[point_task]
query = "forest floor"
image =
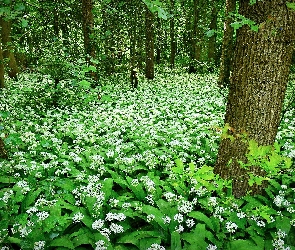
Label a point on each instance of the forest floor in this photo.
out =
(122, 168)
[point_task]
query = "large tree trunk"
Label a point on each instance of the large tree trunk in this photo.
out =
(149, 44)
(260, 72)
(227, 45)
(7, 47)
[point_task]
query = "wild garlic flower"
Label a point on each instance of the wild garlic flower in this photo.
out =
(6, 196)
(78, 217)
(231, 227)
(42, 215)
(156, 246)
(39, 245)
(112, 216)
(116, 228)
(166, 219)
(211, 247)
(190, 223)
(150, 217)
(100, 245)
(179, 229)
(178, 218)
(185, 207)
(98, 224)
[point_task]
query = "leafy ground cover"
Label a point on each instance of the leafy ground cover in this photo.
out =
(117, 168)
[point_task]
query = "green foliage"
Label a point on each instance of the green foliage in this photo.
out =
(133, 170)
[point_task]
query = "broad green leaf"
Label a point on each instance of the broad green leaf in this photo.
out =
(24, 23)
(291, 5)
(85, 84)
(63, 241)
(158, 214)
(175, 241)
(201, 217)
(243, 245)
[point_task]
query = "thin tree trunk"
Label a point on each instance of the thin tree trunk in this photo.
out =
(260, 72)
(194, 37)
(159, 41)
(212, 39)
(7, 47)
(3, 153)
(2, 85)
(227, 46)
(172, 35)
(149, 44)
(87, 6)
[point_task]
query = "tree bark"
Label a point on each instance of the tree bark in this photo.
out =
(149, 44)
(172, 35)
(261, 67)
(2, 85)
(3, 153)
(7, 47)
(87, 25)
(212, 39)
(194, 37)
(227, 46)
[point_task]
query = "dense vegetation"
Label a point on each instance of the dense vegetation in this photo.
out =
(132, 169)
(147, 124)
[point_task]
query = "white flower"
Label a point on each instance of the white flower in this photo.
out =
(241, 215)
(178, 217)
(97, 224)
(260, 223)
(166, 219)
(281, 234)
(185, 207)
(100, 245)
(39, 245)
(156, 246)
(150, 217)
(42, 215)
(212, 201)
(179, 229)
(231, 227)
(150, 199)
(211, 247)
(116, 228)
(112, 216)
(190, 222)
(78, 217)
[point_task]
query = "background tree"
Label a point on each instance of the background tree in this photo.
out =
(149, 44)
(261, 66)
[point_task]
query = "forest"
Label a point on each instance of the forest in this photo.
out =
(147, 124)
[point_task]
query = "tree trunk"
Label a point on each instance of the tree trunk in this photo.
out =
(7, 47)
(212, 39)
(3, 153)
(87, 6)
(260, 72)
(227, 46)
(1, 67)
(172, 35)
(194, 38)
(149, 44)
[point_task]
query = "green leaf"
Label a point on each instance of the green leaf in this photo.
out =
(243, 245)
(291, 5)
(201, 217)
(14, 240)
(7, 180)
(24, 23)
(158, 214)
(85, 84)
(31, 197)
(196, 238)
(63, 241)
(283, 223)
(175, 241)
(210, 33)
(134, 237)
